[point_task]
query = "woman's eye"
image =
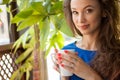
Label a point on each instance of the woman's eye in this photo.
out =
(89, 10)
(74, 12)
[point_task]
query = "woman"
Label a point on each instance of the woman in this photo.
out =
(97, 21)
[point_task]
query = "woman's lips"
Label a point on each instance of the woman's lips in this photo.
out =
(83, 27)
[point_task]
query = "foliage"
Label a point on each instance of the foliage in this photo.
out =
(4, 1)
(48, 16)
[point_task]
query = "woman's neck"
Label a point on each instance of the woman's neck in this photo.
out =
(87, 42)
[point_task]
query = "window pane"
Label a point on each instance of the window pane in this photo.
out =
(4, 34)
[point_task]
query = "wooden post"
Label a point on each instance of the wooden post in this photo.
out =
(13, 28)
(39, 66)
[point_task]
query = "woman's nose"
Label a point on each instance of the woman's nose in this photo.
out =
(81, 18)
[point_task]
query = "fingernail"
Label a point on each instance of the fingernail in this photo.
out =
(66, 51)
(62, 65)
(59, 58)
(59, 54)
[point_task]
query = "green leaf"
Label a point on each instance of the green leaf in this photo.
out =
(16, 19)
(17, 44)
(23, 40)
(17, 74)
(14, 75)
(27, 67)
(47, 5)
(25, 13)
(38, 6)
(27, 74)
(29, 22)
(60, 40)
(22, 15)
(57, 21)
(23, 4)
(56, 40)
(0, 10)
(48, 49)
(66, 29)
(28, 39)
(60, 24)
(23, 55)
(31, 43)
(29, 60)
(44, 33)
(5, 1)
(57, 7)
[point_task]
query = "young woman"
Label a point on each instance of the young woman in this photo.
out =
(98, 58)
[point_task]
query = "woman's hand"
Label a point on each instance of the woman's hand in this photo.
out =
(55, 60)
(56, 64)
(77, 66)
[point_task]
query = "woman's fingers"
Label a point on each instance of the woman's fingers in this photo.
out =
(54, 56)
(55, 60)
(71, 57)
(56, 67)
(67, 60)
(70, 61)
(56, 51)
(72, 54)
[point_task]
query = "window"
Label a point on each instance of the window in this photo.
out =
(4, 33)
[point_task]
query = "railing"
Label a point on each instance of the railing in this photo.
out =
(7, 61)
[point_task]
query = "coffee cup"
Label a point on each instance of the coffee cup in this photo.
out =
(63, 71)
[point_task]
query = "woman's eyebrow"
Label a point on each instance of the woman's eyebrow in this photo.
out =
(73, 8)
(89, 6)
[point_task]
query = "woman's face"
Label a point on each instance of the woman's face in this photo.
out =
(86, 15)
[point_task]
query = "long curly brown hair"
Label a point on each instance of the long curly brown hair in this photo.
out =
(107, 61)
